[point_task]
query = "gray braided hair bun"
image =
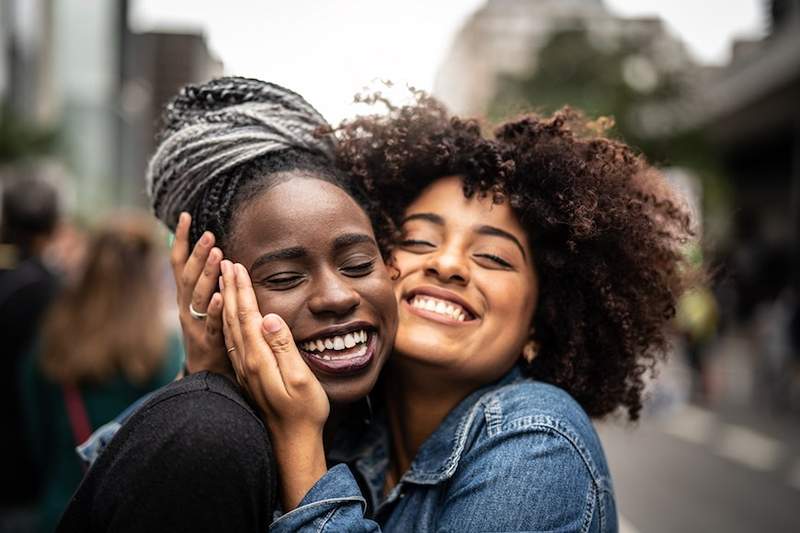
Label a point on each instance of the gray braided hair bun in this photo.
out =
(212, 132)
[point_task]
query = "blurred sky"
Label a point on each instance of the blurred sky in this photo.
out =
(327, 50)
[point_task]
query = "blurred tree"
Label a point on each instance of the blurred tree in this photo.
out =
(621, 75)
(21, 140)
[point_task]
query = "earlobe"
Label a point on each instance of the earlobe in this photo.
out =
(391, 267)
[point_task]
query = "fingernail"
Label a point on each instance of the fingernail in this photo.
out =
(206, 238)
(182, 218)
(272, 323)
(221, 284)
(224, 266)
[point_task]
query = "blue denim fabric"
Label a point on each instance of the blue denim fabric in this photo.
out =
(518, 455)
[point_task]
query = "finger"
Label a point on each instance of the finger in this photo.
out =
(214, 320)
(194, 267)
(180, 246)
(230, 307)
(294, 370)
(248, 376)
(207, 282)
(258, 356)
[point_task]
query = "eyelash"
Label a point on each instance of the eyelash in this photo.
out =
(362, 269)
(283, 281)
(499, 260)
(412, 242)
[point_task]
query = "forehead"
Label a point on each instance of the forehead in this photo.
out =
(445, 197)
(301, 211)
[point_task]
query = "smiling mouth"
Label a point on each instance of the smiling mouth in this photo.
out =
(446, 309)
(340, 354)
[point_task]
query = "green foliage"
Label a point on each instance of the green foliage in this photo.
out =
(576, 69)
(20, 140)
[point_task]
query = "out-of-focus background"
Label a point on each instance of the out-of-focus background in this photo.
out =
(710, 91)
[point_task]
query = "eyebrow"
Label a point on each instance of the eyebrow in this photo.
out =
(284, 254)
(349, 239)
(497, 232)
(482, 230)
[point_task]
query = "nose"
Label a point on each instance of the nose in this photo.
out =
(333, 296)
(448, 265)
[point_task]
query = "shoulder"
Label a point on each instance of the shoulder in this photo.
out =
(541, 415)
(204, 412)
(195, 451)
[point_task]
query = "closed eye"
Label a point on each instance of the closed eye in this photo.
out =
(496, 260)
(416, 244)
(360, 269)
(282, 281)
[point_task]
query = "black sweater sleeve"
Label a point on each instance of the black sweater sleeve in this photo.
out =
(195, 461)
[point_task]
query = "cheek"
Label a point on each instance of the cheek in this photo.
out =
(287, 305)
(378, 290)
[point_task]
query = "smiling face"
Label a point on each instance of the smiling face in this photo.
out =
(311, 253)
(467, 288)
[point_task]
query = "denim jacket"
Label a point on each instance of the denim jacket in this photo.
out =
(518, 455)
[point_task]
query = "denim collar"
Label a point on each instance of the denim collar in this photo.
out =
(438, 456)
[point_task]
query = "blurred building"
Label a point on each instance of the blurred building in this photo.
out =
(751, 113)
(77, 67)
(504, 36)
(156, 66)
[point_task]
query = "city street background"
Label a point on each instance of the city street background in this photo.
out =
(708, 91)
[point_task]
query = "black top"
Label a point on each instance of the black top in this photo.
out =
(195, 457)
(25, 295)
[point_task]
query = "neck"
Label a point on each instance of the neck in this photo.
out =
(417, 403)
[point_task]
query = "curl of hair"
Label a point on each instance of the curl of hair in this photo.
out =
(605, 229)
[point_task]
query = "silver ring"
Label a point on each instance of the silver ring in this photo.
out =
(196, 314)
(232, 348)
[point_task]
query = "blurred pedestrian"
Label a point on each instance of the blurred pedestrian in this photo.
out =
(103, 344)
(30, 214)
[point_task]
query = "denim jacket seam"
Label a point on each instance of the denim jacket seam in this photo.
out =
(327, 520)
(328, 501)
(604, 490)
(591, 502)
(533, 422)
(493, 412)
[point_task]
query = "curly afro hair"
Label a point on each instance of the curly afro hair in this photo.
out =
(605, 229)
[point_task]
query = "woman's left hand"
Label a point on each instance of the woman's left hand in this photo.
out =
(289, 396)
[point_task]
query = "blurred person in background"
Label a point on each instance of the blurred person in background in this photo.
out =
(104, 343)
(30, 214)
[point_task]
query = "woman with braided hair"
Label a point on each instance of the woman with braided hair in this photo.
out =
(243, 164)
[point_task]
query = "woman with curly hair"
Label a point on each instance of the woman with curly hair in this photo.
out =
(537, 271)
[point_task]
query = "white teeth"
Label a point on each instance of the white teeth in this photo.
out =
(337, 342)
(449, 309)
(349, 341)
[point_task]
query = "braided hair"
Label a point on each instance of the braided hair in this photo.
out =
(224, 141)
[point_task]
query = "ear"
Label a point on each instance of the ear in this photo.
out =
(391, 267)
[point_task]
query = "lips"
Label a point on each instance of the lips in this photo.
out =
(440, 305)
(340, 350)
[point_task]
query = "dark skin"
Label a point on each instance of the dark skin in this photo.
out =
(313, 260)
(315, 264)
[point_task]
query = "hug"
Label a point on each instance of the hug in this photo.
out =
(399, 324)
